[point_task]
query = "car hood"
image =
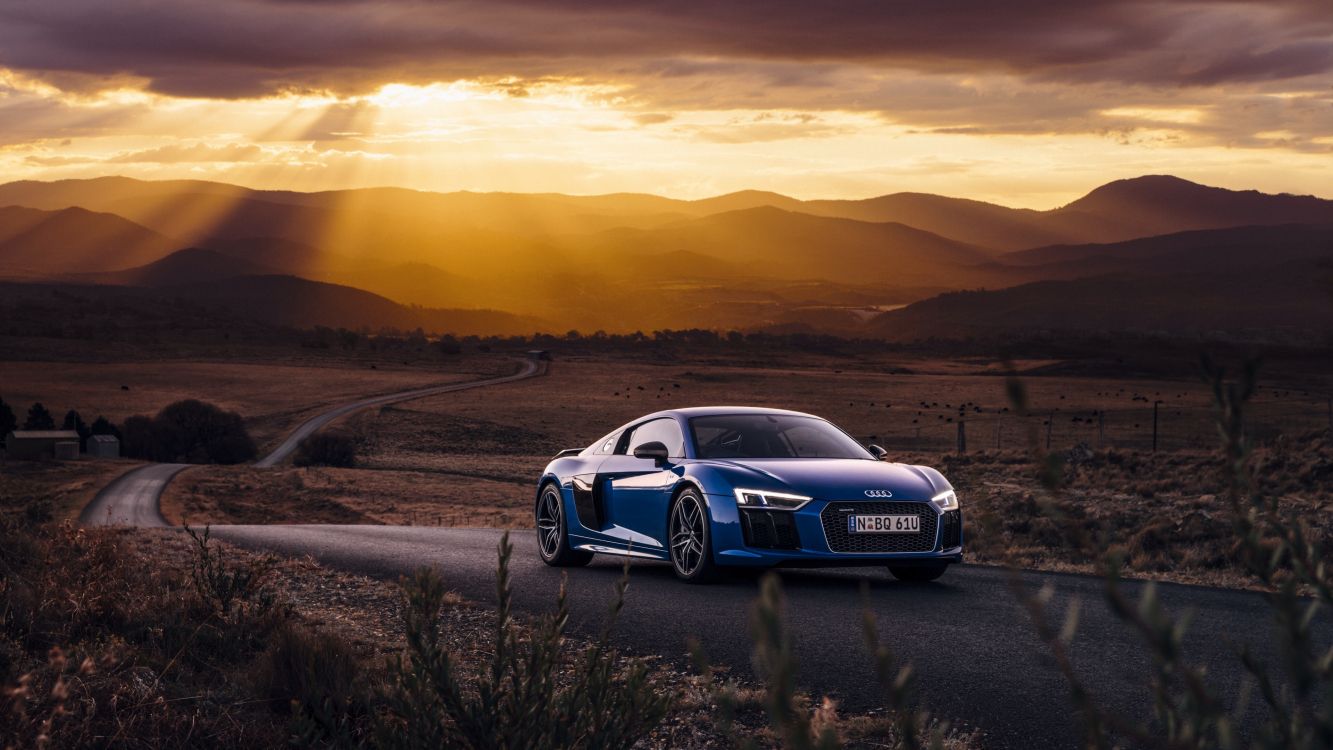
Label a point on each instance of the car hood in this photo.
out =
(833, 479)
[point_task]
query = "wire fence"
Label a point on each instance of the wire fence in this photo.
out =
(1148, 426)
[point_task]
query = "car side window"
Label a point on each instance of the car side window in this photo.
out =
(607, 445)
(664, 431)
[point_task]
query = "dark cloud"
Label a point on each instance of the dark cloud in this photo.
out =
(251, 47)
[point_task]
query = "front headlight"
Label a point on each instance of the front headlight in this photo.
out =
(770, 500)
(947, 500)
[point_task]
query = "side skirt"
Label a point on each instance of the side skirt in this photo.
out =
(602, 549)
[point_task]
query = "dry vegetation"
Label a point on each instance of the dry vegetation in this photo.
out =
(47, 490)
(151, 639)
(469, 459)
(273, 397)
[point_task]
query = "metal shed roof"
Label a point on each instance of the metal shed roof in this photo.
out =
(45, 435)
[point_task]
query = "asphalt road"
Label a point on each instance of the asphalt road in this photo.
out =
(314, 424)
(132, 499)
(972, 646)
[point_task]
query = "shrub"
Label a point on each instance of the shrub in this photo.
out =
(327, 449)
(317, 677)
(224, 587)
(75, 422)
(39, 418)
(1284, 557)
(199, 432)
(103, 426)
(8, 422)
(792, 721)
(523, 700)
(101, 648)
(191, 431)
(137, 437)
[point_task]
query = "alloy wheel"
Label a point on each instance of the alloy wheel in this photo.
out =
(548, 523)
(687, 535)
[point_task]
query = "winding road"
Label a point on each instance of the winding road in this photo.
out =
(132, 499)
(972, 645)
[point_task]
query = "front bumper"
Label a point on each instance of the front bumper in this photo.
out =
(816, 535)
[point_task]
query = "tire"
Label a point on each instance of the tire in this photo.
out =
(690, 539)
(918, 573)
(553, 531)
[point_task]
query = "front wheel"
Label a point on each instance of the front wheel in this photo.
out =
(691, 539)
(918, 573)
(553, 533)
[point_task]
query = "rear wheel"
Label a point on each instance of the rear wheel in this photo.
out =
(552, 531)
(918, 573)
(691, 539)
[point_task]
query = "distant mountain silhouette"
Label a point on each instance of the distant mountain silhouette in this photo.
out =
(290, 301)
(1160, 204)
(38, 242)
(767, 242)
(412, 225)
(1212, 250)
(189, 266)
(1290, 300)
(622, 262)
(975, 222)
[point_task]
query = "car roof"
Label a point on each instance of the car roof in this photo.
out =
(716, 411)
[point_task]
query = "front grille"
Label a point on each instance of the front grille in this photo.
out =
(769, 529)
(834, 518)
(951, 534)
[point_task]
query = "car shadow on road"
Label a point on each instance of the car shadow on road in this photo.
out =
(846, 580)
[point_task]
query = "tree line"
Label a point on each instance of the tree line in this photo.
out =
(189, 431)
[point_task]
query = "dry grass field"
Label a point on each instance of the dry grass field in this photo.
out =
(56, 489)
(272, 396)
(470, 458)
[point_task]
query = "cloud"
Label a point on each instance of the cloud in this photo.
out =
(197, 152)
(653, 118)
(251, 47)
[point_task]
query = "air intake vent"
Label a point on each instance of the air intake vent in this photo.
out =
(769, 529)
(951, 532)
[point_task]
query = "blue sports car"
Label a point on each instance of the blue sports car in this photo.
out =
(735, 486)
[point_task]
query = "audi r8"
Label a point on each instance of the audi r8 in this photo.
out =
(713, 487)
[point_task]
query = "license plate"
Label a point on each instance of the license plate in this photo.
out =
(884, 524)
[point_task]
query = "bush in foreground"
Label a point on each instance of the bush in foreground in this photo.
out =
(531, 696)
(100, 647)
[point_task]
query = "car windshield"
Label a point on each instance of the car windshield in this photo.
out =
(771, 436)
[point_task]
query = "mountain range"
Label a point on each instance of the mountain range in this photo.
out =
(749, 260)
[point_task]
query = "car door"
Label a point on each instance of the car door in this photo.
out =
(637, 491)
(589, 520)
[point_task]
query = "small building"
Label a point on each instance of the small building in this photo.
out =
(103, 446)
(66, 450)
(30, 445)
(541, 355)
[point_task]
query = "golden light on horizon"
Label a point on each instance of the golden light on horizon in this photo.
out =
(578, 137)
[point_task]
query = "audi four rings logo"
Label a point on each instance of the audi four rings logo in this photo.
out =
(878, 493)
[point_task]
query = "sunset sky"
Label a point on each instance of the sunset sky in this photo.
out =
(1019, 102)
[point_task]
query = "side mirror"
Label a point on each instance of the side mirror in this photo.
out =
(655, 450)
(879, 452)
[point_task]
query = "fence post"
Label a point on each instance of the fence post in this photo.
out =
(1050, 422)
(1154, 425)
(962, 437)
